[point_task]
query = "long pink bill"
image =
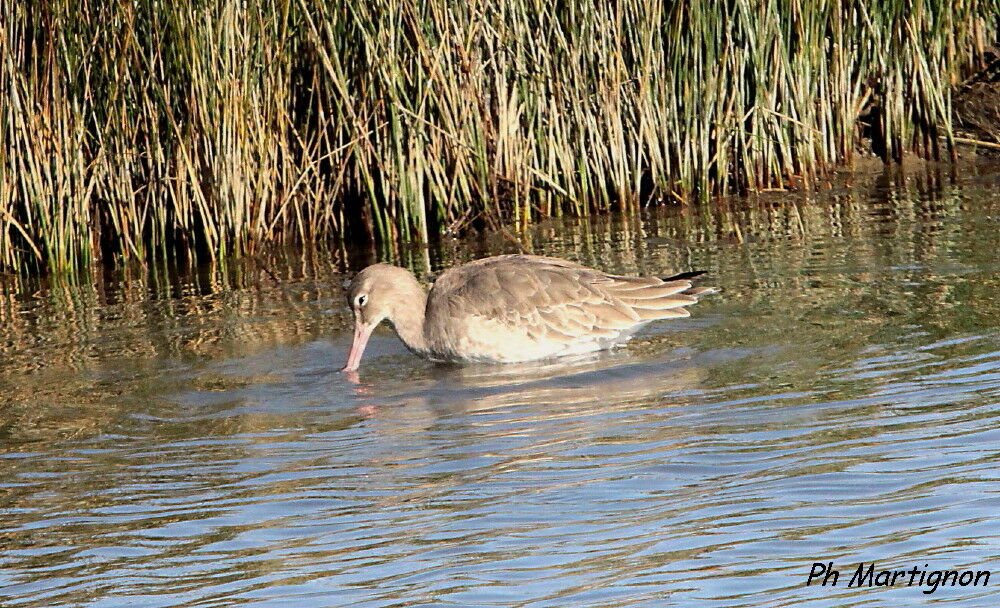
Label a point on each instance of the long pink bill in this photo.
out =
(361, 335)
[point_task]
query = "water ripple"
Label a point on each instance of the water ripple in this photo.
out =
(805, 415)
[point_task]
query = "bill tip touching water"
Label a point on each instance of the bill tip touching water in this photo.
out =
(512, 308)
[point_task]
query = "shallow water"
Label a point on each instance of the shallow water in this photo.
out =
(188, 441)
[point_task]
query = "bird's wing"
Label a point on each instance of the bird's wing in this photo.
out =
(554, 299)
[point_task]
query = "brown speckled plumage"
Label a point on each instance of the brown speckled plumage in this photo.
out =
(512, 308)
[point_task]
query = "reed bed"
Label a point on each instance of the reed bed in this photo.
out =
(136, 129)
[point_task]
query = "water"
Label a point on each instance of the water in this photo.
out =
(188, 441)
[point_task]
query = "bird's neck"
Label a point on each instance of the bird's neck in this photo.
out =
(408, 317)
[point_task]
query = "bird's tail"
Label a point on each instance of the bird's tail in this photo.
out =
(685, 275)
(692, 291)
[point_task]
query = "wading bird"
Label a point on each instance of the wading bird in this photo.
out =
(512, 308)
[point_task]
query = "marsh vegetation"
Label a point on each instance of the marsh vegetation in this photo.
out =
(138, 129)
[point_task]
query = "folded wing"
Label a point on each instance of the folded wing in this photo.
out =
(547, 306)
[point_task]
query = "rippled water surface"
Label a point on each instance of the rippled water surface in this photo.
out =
(186, 439)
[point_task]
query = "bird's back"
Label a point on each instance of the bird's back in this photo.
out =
(523, 307)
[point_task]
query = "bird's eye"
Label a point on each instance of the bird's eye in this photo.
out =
(361, 300)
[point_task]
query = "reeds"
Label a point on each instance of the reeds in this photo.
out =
(139, 128)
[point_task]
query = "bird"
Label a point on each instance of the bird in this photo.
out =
(512, 308)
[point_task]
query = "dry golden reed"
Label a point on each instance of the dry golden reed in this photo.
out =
(139, 128)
